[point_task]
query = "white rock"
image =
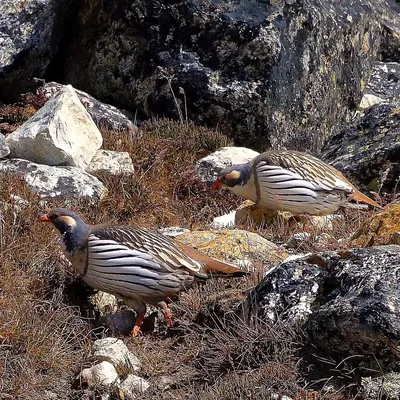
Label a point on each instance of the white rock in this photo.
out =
(103, 374)
(62, 183)
(224, 221)
(103, 114)
(368, 100)
(173, 231)
(111, 162)
(132, 386)
(60, 133)
(4, 149)
(208, 167)
(116, 352)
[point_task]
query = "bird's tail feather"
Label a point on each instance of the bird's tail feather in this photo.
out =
(213, 267)
(358, 196)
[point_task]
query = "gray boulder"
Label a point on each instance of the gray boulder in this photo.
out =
(60, 133)
(61, 183)
(103, 115)
(368, 151)
(348, 303)
(30, 35)
(266, 73)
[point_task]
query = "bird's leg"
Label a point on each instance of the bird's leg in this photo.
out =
(167, 313)
(140, 313)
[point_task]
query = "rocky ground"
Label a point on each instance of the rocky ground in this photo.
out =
(271, 334)
(318, 318)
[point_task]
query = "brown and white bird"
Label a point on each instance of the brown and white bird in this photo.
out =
(293, 181)
(138, 265)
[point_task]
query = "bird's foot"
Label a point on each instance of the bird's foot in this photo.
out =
(167, 314)
(136, 331)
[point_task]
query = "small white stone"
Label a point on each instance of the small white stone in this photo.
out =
(224, 221)
(116, 351)
(368, 100)
(4, 149)
(103, 374)
(173, 231)
(111, 162)
(132, 386)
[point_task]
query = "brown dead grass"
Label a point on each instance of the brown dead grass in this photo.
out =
(209, 354)
(43, 339)
(13, 115)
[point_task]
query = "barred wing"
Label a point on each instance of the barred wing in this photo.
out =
(292, 171)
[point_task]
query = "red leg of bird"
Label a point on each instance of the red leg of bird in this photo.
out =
(139, 322)
(167, 313)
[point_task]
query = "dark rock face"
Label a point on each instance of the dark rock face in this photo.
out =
(368, 152)
(30, 34)
(268, 73)
(385, 82)
(389, 12)
(348, 303)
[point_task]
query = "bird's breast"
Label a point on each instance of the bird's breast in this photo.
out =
(247, 191)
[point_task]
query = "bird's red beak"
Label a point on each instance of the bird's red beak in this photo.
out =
(216, 185)
(44, 218)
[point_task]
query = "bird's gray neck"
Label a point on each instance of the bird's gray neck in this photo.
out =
(245, 170)
(74, 244)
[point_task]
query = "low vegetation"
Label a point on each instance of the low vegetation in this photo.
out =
(211, 353)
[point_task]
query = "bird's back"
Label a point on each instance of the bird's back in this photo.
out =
(298, 182)
(134, 262)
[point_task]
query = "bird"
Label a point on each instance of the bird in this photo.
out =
(139, 265)
(289, 180)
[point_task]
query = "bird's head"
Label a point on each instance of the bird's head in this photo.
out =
(235, 175)
(71, 227)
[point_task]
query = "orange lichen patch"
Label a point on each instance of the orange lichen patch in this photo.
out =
(380, 229)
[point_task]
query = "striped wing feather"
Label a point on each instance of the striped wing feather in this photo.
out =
(151, 244)
(294, 169)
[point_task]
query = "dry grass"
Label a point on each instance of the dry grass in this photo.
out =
(43, 339)
(210, 353)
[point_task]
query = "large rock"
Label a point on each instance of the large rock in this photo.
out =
(348, 303)
(368, 151)
(30, 34)
(103, 115)
(235, 246)
(116, 352)
(208, 167)
(62, 183)
(266, 73)
(4, 149)
(60, 133)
